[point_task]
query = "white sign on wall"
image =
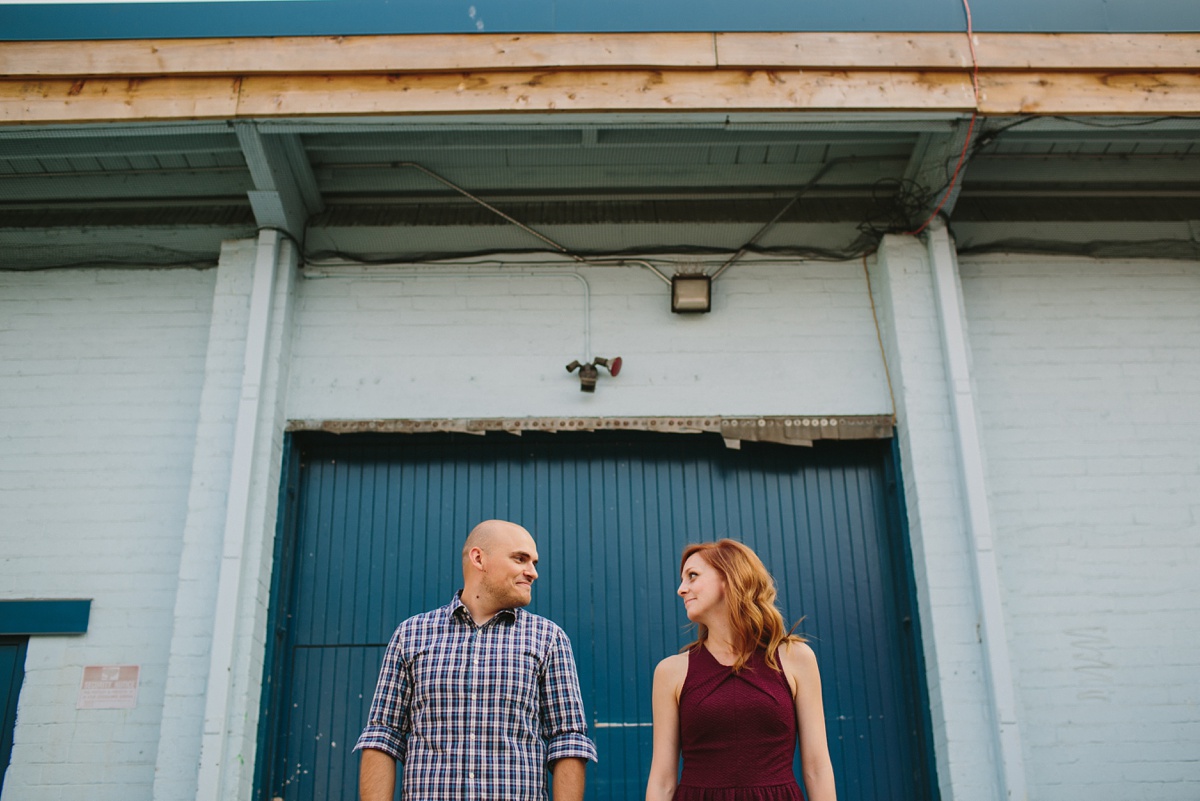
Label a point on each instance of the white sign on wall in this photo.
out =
(108, 687)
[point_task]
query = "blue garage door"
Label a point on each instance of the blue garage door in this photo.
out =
(372, 527)
(12, 674)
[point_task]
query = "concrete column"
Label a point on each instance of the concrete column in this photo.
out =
(1006, 733)
(902, 282)
(212, 683)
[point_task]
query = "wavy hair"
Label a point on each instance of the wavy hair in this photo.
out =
(750, 594)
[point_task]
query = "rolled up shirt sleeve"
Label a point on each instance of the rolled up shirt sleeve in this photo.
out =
(564, 723)
(390, 718)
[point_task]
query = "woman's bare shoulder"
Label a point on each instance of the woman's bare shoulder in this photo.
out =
(798, 659)
(798, 652)
(669, 676)
(673, 667)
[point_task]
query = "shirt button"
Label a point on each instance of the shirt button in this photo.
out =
(470, 775)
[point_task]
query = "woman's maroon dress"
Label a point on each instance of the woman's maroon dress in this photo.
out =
(737, 732)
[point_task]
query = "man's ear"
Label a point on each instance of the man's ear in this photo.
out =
(475, 557)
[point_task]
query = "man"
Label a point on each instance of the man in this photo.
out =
(479, 697)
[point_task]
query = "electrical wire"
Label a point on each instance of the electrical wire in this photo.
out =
(962, 156)
(753, 241)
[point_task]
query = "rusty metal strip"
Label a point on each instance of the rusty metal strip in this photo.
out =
(798, 430)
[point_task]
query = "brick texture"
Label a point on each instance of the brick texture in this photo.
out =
(1087, 382)
(781, 339)
(99, 391)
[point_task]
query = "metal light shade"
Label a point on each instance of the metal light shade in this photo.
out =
(691, 294)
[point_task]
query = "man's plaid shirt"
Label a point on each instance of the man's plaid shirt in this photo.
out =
(477, 712)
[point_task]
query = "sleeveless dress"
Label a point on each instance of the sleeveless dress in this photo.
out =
(737, 732)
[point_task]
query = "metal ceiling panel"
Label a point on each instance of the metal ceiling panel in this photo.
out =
(586, 174)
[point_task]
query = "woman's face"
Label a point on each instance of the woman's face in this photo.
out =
(702, 589)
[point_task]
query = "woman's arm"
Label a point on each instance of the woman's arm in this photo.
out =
(664, 764)
(800, 663)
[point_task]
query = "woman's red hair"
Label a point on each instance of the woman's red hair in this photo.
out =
(750, 594)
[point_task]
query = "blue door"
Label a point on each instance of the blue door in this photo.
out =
(12, 674)
(372, 527)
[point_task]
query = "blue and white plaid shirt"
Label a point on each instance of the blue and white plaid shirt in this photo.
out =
(477, 712)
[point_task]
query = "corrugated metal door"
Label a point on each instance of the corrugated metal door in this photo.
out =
(12, 675)
(372, 535)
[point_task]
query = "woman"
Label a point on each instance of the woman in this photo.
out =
(736, 699)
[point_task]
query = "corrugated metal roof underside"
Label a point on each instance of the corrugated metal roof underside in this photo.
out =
(595, 184)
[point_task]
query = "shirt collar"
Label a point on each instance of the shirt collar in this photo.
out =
(458, 609)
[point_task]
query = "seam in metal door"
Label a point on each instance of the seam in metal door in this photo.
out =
(376, 524)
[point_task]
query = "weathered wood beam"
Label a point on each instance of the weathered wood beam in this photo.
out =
(602, 90)
(1143, 93)
(49, 82)
(263, 96)
(115, 100)
(889, 51)
(355, 54)
(1104, 52)
(1147, 52)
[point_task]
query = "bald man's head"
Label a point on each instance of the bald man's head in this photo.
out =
(486, 533)
(499, 561)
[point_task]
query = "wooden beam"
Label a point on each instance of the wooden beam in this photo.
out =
(921, 51)
(487, 92)
(118, 100)
(1161, 93)
(501, 92)
(640, 90)
(1145, 52)
(1106, 52)
(355, 54)
(598, 90)
(481, 52)
(1001, 93)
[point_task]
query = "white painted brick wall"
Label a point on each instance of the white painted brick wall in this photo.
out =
(99, 386)
(781, 339)
(1087, 380)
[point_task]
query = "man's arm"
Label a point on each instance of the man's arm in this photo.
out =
(377, 776)
(384, 741)
(570, 775)
(563, 722)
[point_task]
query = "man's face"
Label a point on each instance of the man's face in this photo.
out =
(510, 568)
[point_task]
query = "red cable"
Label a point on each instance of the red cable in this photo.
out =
(970, 126)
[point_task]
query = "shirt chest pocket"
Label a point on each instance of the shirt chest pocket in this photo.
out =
(511, 678)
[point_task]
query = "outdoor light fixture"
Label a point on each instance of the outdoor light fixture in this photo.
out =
(588, 372)
(691, 293)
